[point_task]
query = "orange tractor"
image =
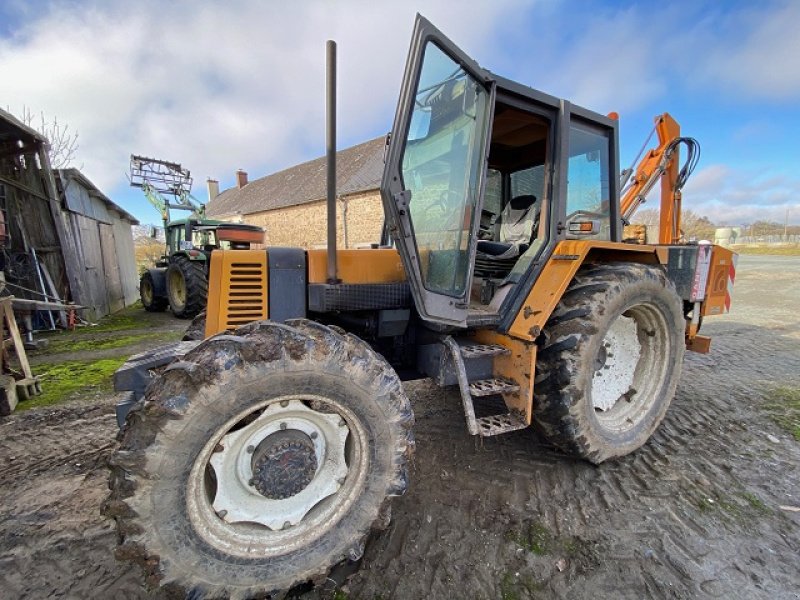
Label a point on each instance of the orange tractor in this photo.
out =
(264, 455)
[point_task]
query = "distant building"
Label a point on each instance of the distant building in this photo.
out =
(291, 206)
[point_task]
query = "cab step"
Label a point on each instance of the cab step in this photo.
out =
(489, 387)
(494, 424)
(497, 424)
(473, 350)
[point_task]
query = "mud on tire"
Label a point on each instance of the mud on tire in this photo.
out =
(588, 401)
(174, 533)
(187, 287)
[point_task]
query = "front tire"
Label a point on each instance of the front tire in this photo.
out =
(187, 287)
(610, 361)
(210, 486)
(147, 292)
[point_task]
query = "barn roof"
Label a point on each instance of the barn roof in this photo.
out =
(358, 169)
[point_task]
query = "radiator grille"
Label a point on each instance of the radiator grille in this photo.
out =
(246, 293)
(238, 289)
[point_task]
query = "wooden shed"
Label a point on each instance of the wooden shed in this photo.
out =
(63, 237)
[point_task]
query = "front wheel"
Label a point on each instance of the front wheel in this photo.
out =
(147, 292)
(610, 360)
(260, 461)
(187, 286)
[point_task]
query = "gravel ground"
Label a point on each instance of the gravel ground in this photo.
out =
(699, 512)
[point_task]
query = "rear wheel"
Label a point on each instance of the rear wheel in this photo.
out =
(260, 461)
(147, 293)
(610, 361)
(187, 286)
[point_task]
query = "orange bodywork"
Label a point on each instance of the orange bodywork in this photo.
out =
(721, 276)
(373, 265)
(238, 289)
(519, 366)
(557, 274)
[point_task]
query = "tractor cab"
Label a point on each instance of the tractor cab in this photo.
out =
(483, 177)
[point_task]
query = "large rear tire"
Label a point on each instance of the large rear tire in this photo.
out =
(147, 293)
(187, 286)
(610, 361)
(260, 461)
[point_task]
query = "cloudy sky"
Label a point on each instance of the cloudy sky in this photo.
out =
(240, 84)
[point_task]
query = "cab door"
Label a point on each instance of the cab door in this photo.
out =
(433, 179)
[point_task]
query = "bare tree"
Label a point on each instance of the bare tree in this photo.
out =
(63, 141)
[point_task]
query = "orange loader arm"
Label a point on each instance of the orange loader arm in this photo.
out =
(661, 163)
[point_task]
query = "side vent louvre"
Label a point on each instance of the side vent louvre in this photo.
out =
(238, 289)
(247, 295)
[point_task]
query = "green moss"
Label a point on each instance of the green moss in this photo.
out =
(72, 379)
(533, 537)
(508, 588)
(72, 344)
(754, 502)
(339, 595)
(133, 317)
(783, 407)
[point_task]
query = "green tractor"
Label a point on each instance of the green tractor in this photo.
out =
(180, 278)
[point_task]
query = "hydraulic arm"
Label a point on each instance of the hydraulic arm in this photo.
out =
(661, 163)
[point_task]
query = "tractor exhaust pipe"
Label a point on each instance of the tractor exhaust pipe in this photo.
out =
(330, 110)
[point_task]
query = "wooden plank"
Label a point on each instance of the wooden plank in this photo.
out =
(22, 187)
(69, 250)
(11, 323)
(62, 314)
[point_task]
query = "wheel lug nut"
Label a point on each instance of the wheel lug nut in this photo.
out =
(342, 423)
(283, 425)
(286, 525)
(251, 449)
(222, 514)
(219, 448)
(340, 481)
(284, 403)
(313, 435)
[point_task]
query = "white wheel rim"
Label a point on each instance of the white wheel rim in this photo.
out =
(240, 521)
(636, 350)
(615, 376)
(238, 500)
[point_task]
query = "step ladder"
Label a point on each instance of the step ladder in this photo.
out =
(494, 424)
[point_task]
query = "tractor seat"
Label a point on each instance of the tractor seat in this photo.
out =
(517, 221)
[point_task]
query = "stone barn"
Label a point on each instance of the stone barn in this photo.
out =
(290, 204)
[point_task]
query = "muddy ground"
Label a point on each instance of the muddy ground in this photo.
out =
(702, 511)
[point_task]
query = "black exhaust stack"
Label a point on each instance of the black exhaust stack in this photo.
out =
(331, 158)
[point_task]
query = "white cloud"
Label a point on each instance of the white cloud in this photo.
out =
(761, 58)
(219, 87)
(729, 196)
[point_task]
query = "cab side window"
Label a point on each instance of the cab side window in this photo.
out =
(588, 172)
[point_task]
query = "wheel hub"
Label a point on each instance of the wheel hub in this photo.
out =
(615, 364)
(277, 468)
(284, 465)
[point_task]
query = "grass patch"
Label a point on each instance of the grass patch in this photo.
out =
(69, 380)
(788, 250)
(783, 407)
(118, 341)
(133, 317)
